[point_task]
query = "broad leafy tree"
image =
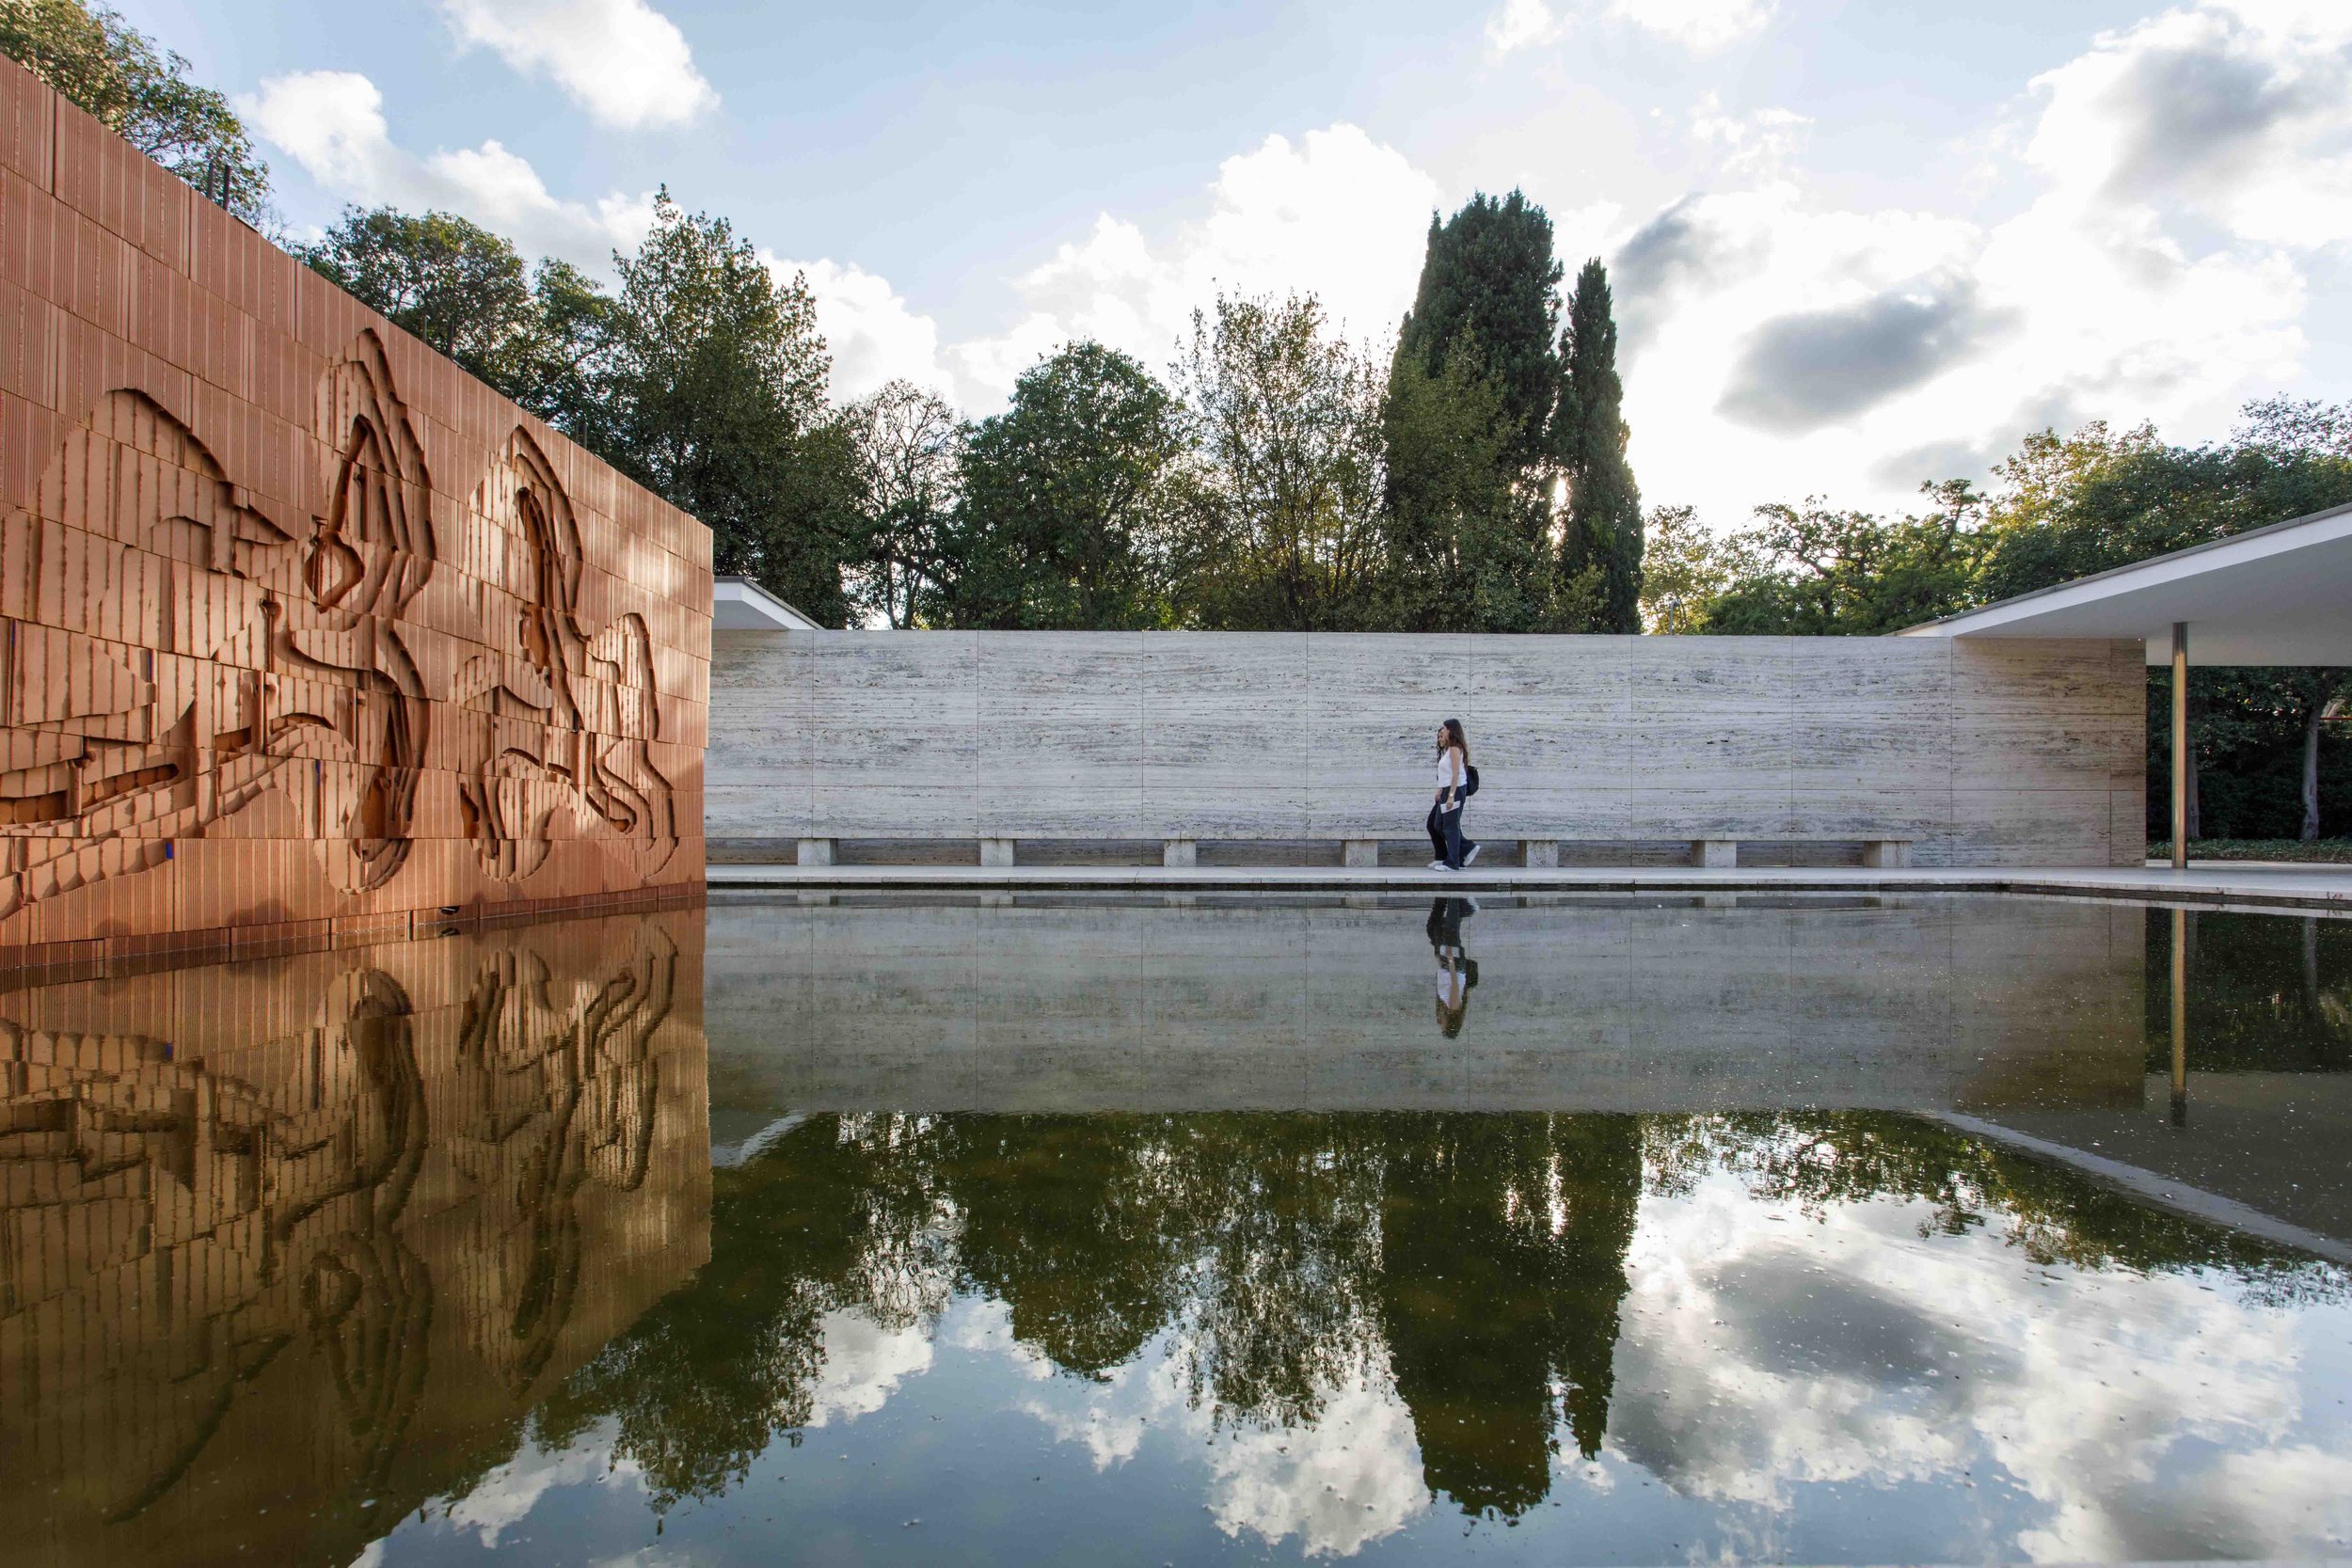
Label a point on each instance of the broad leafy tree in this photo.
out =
(1066, 507)
(456, 285)
(1287, 530)
(714, 398)
(141, 92)
(909, 446)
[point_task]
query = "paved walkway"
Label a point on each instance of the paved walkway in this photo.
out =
(2217, 882)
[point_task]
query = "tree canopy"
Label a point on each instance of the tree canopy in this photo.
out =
(141, 92)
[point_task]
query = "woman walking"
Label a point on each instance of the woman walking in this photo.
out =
(1453, 787)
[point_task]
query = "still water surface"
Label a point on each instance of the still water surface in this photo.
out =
(1571, 1231)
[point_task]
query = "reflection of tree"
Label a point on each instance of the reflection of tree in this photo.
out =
(838, 1213)
(1273, 1258)
(1504, 1265)
(2266, 994)
(1274, 1252)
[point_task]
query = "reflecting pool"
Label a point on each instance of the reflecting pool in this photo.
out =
(1569, 1230)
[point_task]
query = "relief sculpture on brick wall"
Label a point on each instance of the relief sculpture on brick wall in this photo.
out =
(350, 698)
(135, 637)
(558, 725)
(173, 652)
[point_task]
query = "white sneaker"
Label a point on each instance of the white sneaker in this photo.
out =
(1473, 854)
(1437, 865)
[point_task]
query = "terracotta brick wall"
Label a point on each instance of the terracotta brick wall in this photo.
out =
(303, 632)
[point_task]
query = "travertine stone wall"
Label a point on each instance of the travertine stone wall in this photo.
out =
(1988, 753)
(287, 1247)
(302, 629)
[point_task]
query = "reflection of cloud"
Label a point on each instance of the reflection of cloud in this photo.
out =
(1350, 1478)
(507, 1495)
(864, 1365)
(2134, 1417)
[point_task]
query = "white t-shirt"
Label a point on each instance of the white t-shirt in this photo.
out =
(1450, 769)
(1449, 987)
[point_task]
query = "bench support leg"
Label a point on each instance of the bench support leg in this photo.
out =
(816, 852)
(1362, 853)
(1715, 851)
(1885, 854)
(1179, 851)
(1540, 851)
(995, 851)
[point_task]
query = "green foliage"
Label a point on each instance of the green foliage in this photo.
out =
(1284, 530)
(1813, 572)
(1687, 570)
(2097, 501)
(910, 447)
(1068, 501)
(1489, 292)
(1465, 548)
(714, 398)
(139, 91)
(1600, 548)
(456, 285)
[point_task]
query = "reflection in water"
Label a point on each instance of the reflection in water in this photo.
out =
(1782, 1230)
(1457, 972)
(293, 1239)
(1530, 1293)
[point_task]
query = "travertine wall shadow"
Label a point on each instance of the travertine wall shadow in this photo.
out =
(303, 630)
(289, 1247)
(1986, 753)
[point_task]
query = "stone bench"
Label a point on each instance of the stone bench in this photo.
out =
(1880, 851)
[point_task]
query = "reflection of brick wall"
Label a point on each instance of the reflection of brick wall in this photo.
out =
(302, 629)
(293, 1234)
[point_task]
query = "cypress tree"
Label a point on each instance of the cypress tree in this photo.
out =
(1489, 286)
(1600, 549)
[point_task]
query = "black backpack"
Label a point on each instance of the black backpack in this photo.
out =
(1469, 789)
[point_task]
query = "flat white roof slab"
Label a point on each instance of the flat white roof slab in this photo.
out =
(2280, 594)
(739, 604)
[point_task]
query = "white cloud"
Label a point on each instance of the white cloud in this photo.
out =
(1334, 213)
(875, 335)
(2188, 170)
(622, 61)
(1758, 143)
(331, 124)
(1696, 25)
(2240, 114)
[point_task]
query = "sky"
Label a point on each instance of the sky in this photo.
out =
(1856, 245)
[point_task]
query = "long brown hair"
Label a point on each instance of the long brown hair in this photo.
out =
(1452, 729)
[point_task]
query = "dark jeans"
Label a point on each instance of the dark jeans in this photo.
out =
(1445, 835)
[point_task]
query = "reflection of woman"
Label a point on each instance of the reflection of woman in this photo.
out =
(1457, 972)
(1454, 784)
